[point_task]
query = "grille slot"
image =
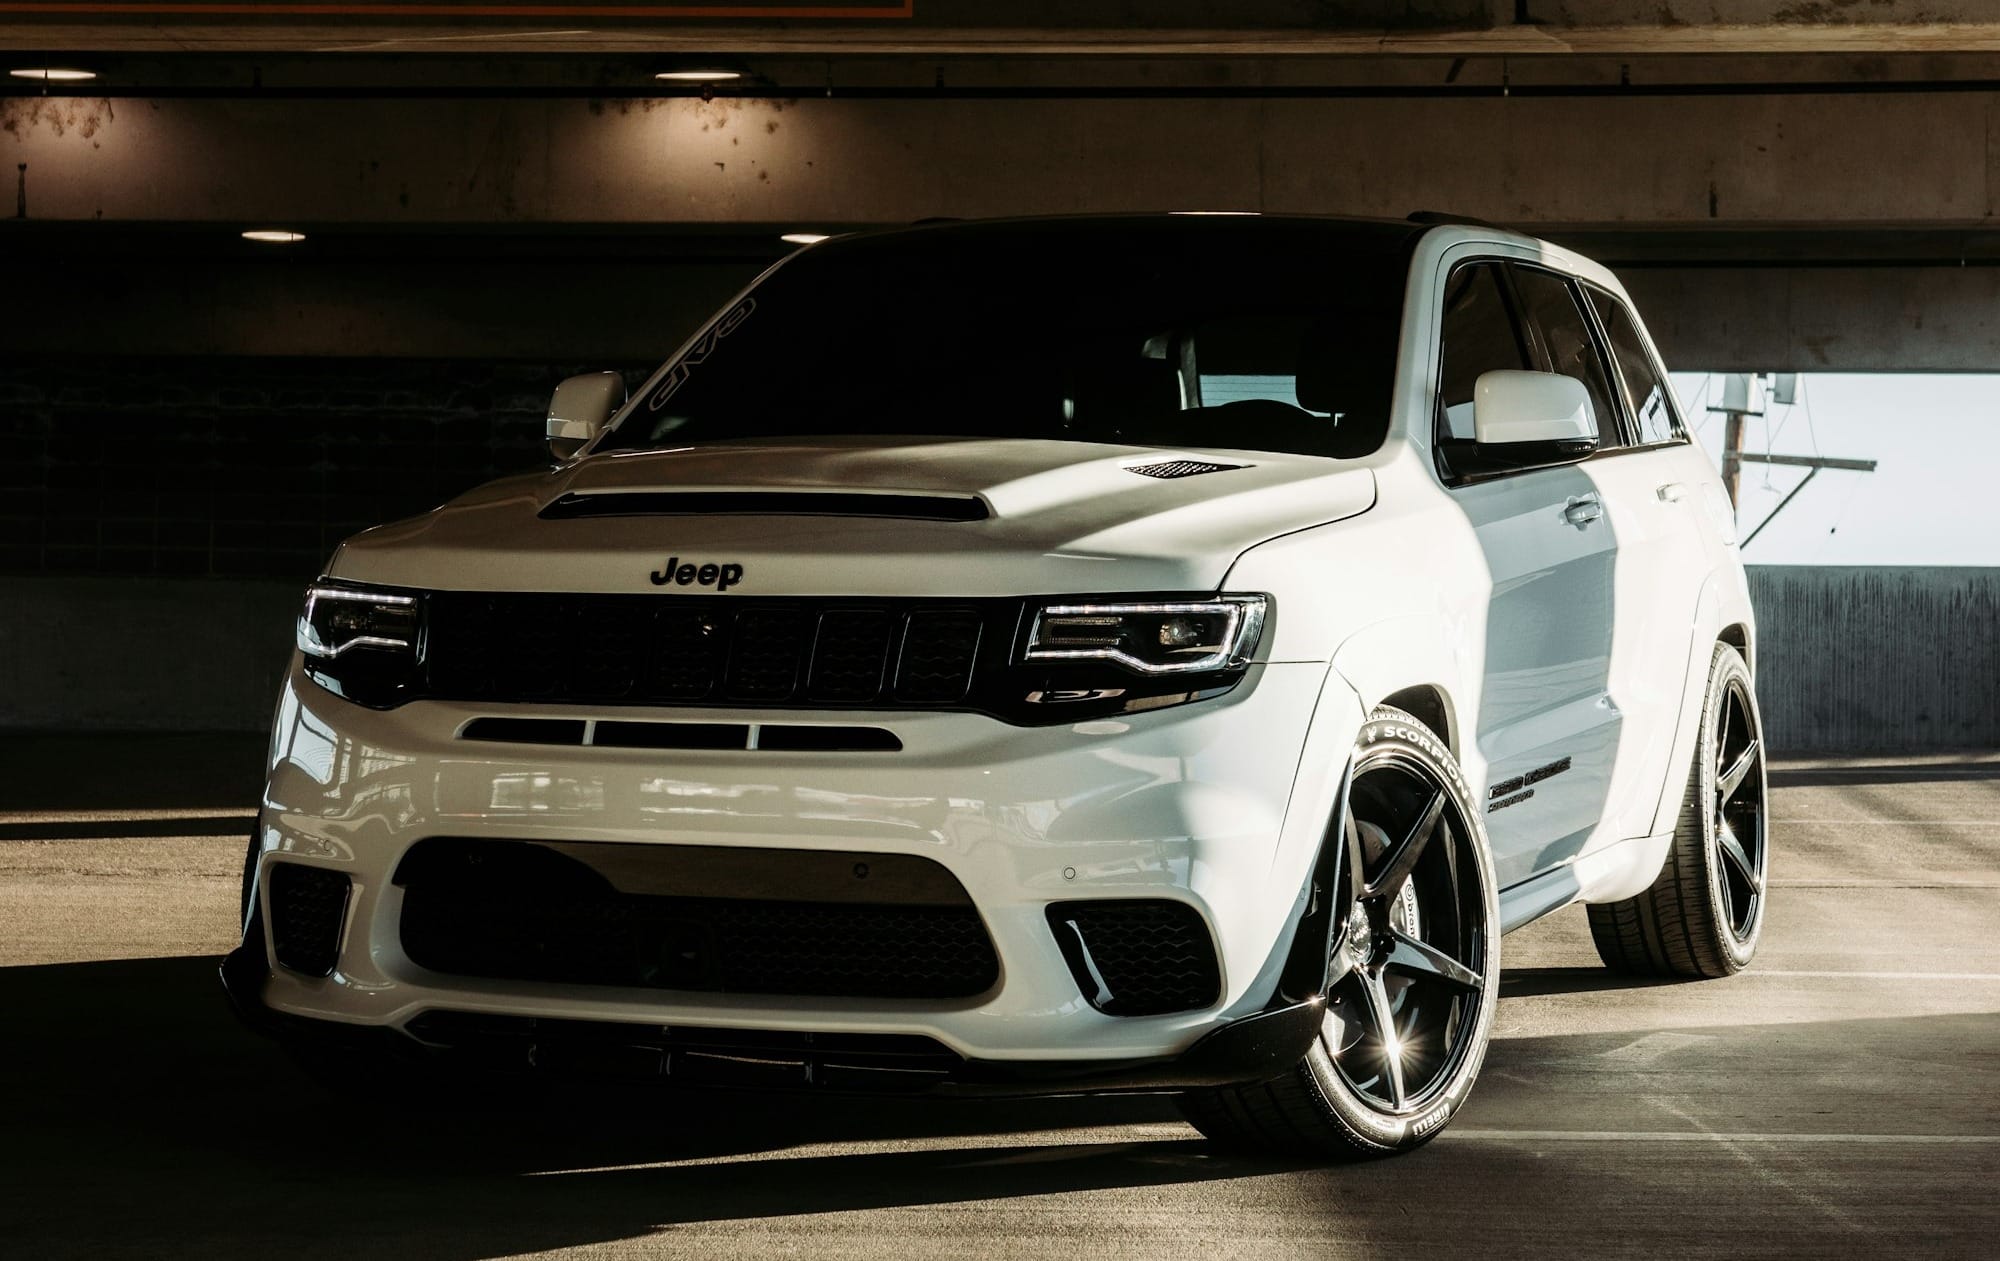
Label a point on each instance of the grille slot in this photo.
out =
(819, 924)
(1141, 957)
(308, 908)
(714, 650)
(611, 734)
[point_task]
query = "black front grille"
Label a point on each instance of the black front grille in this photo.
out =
(1141, 957)
(694, 650)
(808, 924)
(308, 907)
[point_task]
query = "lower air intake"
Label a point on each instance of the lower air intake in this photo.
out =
(1143, 957)
(696, 918)
(308, 907)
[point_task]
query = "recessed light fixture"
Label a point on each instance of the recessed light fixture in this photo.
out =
(54, 74)
(714, 74)
(803, 238)
(274, 236)
(1214, 212)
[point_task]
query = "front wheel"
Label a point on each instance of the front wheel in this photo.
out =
(1415, 967)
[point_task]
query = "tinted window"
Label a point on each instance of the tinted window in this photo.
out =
(1552, 311)
(1478, 335)
(1651, 404)
(1261, 334)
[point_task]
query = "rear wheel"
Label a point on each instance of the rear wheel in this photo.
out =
(1415, 967)
(1705, 911)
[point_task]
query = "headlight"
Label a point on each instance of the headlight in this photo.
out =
(1085, 657)
(1163, 637)
(363, 643)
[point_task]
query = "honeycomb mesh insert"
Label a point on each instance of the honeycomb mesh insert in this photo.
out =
(308, 906)
(1138, 958)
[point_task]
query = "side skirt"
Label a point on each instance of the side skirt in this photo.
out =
(1524, 903)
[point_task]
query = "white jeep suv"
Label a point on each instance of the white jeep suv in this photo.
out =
(1052, 656)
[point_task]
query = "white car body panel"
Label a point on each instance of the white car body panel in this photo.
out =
(1545, 640)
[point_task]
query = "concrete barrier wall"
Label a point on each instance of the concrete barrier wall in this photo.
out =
(143, 654)
(1857, 658)
(1850, 659)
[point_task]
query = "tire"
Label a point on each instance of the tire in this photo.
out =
(1418, 951)
(1704, 913)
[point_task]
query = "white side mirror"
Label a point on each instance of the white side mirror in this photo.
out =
(580, 409)
(1512, 407)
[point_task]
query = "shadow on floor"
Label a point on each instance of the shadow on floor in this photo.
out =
(1532, 982)
(141, 1121)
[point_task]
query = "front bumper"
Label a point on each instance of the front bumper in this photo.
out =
(1193, 803)
(1250, 1049)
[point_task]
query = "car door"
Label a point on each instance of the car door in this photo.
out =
(1544, 725)
(1651, 486)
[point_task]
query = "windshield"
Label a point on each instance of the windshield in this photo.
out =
(1259, 334)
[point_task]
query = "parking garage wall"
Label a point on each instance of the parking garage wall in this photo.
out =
(1862, 657)
(250, 467)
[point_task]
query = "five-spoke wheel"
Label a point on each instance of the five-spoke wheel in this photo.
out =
(1414, 969)
(1704, 913)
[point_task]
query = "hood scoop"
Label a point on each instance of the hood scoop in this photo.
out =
(1168, 469)
(764, 503)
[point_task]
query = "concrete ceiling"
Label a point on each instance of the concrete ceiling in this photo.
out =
(1040, 27)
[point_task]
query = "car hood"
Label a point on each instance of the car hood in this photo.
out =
(1051, 517)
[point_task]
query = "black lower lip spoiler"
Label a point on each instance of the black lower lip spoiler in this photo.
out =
(1249, 1049)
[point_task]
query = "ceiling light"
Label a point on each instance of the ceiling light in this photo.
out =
(274, 236)
(803, 238)
(54, 74)
(1213, 212)
(712, 75)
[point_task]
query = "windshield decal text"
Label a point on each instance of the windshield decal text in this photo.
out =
(683, 368)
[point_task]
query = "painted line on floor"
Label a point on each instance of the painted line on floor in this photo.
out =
(1884, 884)
(1874, 976)
(246, 814)
(1698, 1136)
(1969, 823)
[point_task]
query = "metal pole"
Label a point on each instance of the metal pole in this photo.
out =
(1732, 454)
(1810, 474)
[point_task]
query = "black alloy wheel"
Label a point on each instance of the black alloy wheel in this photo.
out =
(1414, 974)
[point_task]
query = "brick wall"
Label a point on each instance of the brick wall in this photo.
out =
(245, 467)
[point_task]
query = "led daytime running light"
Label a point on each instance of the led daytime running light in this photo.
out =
(1243, 625)
(309, 640)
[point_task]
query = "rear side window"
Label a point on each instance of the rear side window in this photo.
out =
(1645, 390)
(1478, 335)
(1553, 313)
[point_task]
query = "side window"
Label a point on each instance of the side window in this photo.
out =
(1652, 405)
(1554, 315)
(1478, 335)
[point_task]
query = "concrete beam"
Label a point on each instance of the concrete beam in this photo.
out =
(1864, 319)
(510, 301)
(1059, 27)
(1794, 159)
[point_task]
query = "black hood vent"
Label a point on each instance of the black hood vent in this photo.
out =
(1167, 469)
(765, 503)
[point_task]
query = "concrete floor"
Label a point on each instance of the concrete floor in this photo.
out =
(1842, 1097)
